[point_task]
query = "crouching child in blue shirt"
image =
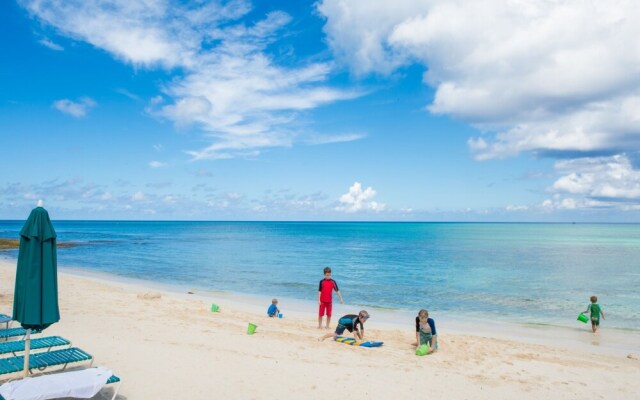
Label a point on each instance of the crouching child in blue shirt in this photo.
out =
(273, 308)
(350, 322)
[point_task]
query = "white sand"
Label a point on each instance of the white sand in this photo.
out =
(173, 347)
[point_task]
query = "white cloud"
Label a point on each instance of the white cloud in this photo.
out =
(546, 76)
(234, 196)
(359, 31)
(159, 185)
(155, 100)
(611, 178)
(357, 199)
(90, 193)
(245, 102)
(260, 208)
(76, 109)
(169, 199)
(570, 203)
(203, 173)
(157, 164)
(229, 86)
(138, 196)
(328, 139)
(512, 207)
(127, 93)
(285, 201)
(73, 192)
(48, 43)
(139, 32)
(554, 78)
(611, 183)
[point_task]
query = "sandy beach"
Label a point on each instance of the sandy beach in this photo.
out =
(168, 345)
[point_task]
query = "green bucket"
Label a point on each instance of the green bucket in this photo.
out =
(251, 329)
(583, 318)
(215, 308)
(422, 350)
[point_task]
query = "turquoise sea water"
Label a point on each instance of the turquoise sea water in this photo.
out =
(541, 273)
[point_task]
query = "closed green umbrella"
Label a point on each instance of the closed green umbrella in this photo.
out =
(35, 301)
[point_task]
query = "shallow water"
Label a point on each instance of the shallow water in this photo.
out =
(523, 273)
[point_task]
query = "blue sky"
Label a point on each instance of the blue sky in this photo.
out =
(329, 110)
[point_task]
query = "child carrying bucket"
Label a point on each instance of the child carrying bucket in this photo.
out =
(426, 334)
(596, 311)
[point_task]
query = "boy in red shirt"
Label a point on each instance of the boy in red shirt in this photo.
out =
(325, 297)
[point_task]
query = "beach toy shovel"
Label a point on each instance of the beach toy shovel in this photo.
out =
(251, 329)
(422, 350)
(583, 318)
(215, 308)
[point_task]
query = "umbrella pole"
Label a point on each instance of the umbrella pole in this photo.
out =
(27, 348)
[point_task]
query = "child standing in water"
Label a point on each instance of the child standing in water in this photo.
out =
(596, 311)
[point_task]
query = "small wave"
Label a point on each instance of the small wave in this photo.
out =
(297, 285)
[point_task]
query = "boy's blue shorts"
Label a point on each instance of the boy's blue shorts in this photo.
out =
(340, 329)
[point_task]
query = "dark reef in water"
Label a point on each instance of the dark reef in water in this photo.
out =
(8, 244)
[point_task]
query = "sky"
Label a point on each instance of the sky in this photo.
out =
(330, 110)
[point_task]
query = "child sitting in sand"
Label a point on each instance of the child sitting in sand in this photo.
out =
(350, 322)
(426, 331)
(595, 310)
(273, 308)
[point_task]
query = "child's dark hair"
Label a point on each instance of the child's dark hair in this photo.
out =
(274, 301)
(327, 270)
(594, 299)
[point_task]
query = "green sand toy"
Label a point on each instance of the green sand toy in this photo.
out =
(215, 308)
(251, 329)
(422, 350)
(583, 318)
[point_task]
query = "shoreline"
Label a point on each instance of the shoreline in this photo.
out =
(612, 341)
(609, 341)
(170, 345)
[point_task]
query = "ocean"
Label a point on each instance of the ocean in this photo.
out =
(512, 272)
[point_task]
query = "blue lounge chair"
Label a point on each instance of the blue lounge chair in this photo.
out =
(14, 332)
(113, 379)
(48, 342)
(41, 361)
(5, 319)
